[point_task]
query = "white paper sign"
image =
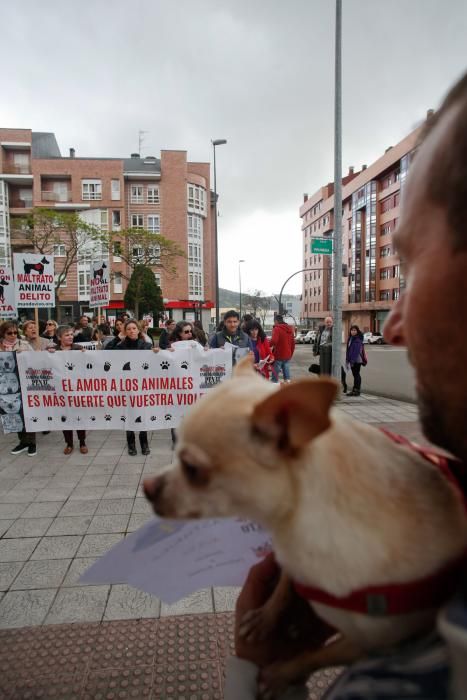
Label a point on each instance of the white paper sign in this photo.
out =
(116, 390)
(173, 558)
(7, 293)
(99, 283)
(34, 280)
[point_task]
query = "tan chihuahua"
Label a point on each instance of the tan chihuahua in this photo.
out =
(347, 508)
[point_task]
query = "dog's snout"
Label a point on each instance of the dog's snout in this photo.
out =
(153, 488)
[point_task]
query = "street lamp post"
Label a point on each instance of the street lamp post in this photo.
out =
(240, 284)
(216, 142)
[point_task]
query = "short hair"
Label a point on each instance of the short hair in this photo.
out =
(28, 323)
(231, 314)
(63, 329)
(279, 318)
(447, 182)
(104, 328)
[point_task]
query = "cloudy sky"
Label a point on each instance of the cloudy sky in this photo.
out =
(258, 73)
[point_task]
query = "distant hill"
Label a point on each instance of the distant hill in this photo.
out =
(229, 298)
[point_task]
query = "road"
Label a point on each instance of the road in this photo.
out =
(388, 372)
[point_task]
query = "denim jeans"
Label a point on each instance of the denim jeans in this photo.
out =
(280, 365)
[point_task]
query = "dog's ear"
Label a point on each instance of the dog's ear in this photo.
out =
(295, 414)
(244, 366)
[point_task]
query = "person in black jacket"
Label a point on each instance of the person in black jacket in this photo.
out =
(164, 342)
(134, 340)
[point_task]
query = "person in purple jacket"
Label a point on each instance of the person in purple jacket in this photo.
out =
(355, 357)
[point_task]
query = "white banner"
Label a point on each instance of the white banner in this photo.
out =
(99, 283)
(117, 390)
(34, 280)
(10, 395)
(7, 293)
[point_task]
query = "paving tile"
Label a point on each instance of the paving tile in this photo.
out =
(24, 608)
(142, 505)
(101, 524)
(84, 604)
(46, 509)
(48, 573)
(29, 527)
(94, 480)
(57, 547)
(96, 545)
(124, 480)
(5, 524)
(34, 482)
(70, 525)
(79, 508)
(77, 568)
(17, 495)
(190, 680)
(123, 645)
(199, 602)
(186, 639)
(55, 494)
(127, 603)
(138, 519)
(17, 549)
(115, 507)
(225, 598)
(60, 686)
(134, 682)
(8, 573)
(120, 492)
(87, 493)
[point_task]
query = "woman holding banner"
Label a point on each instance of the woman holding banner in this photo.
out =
(65, 340)
(134, 340)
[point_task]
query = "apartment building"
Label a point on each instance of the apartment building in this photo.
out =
(168, 196)
(370, 212)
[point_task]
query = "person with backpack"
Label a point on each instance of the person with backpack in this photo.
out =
(355, 357)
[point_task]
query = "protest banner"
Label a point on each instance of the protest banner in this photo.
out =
(10, 395)
(34, 280)
(99, 283)
(116, 390)
(90, 345)
(173, 558)
(7, 293)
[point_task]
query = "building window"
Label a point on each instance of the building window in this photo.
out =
(84, 277)
(385, 252)
(157, 278)
(117, 251)
(387, 204)
(396, 199)
(137, 196)
(197, 198)
(384, 274)
(116, 220)
(153, 194)
(384, 295)
(63, 283)
(195, 284)
(387, 228)
(104, 220)
(59, 250)
(396, 294)
(91, 189)
(115, 190)
(154, 223)
(118, 288)
(396, 271)
(194, 254)
(137, 221)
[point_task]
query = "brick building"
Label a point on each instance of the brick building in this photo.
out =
(370, 211)
(167, 195)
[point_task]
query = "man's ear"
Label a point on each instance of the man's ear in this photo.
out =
(295, 414)
(244, 366)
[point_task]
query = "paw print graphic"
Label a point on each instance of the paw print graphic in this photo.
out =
(89, 365)
(69, 365)
(165, 364)
(184, 364)
(123, 418)
(63, 419)
(107, 366)
(50, 418)
(107, 417)
(93, 418)
(145, 365)
(34, 419)
(78, 419)
(153, 418)
(168, 416)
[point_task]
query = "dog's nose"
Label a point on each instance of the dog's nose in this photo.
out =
(153, 488)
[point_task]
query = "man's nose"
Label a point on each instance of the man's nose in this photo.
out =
(393, 330)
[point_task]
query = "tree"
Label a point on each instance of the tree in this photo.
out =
(257, 304)
(140, 247)
(46, 228)
(143, 295)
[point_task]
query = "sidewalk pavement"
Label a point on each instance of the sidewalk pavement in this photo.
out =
(63, 639)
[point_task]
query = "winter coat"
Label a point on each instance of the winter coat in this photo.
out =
(128, 344)
(239, 338)
(164, 339)
(354, 353)
(20, 344)
(283, 342)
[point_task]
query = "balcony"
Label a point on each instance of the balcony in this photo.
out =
(16, 169)
(51, 196)
(20, 202)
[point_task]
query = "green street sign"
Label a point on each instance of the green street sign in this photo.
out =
(321, 246)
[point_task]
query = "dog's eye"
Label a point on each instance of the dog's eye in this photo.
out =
(196, 476)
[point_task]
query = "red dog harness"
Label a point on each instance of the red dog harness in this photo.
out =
(401, 598)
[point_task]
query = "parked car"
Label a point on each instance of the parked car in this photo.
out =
(310, 337)
(373, 338)
(300, 336)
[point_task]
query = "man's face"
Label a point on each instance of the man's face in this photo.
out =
(231, 324)
(171, 326)
(328, 322)
(30, 331)
(84, 321)
(436, 287)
